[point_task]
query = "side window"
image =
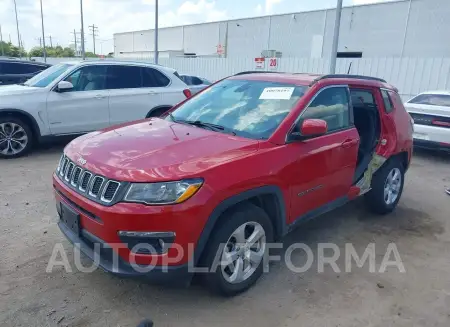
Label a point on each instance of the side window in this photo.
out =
(186, 79)
(29, 68)
(196, 81)
(154, 78)
(89, 78)
(124, 77)
(387, 101)
(432, 100)
(11, 68)
(331, 105)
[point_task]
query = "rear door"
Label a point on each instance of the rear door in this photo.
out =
(323, 173)
(137, 91)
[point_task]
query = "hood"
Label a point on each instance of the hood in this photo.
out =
(157, 150)
(17, 89)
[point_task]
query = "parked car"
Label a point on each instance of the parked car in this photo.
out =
(79, 97)
(196, 84)
(13, 71)
(431, 114)
(240, 165)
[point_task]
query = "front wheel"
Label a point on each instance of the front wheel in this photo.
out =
(387, 188)
(235, 254)
(15, 138)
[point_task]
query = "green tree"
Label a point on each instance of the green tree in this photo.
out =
(91, 55)
(10, 50)
(54, 52)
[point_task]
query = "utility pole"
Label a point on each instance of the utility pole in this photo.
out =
(17, 25)
(94, 30)
(51, 41)
(83, 53)
(43, 34)
(75, 41)
(1, 41)
(337, 27)
(156, 32)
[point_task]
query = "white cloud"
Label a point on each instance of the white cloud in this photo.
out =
(365, 2)
(259, 10)
(193, 12)
(270, 4)
(61, 17)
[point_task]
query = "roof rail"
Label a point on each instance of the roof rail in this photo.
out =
(369, 78)
(254, 72)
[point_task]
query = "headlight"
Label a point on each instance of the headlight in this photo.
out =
(163, 193)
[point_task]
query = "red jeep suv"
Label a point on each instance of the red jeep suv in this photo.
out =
(229, 171)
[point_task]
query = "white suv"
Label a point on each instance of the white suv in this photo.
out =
(431, 114)
(80, 97)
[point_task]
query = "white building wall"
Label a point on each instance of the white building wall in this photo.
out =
(247, 37)
(428, 29)
(376, 30)
(293, 34)
(201, 39)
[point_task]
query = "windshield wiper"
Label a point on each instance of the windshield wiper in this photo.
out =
(200, 123)
(203, 124)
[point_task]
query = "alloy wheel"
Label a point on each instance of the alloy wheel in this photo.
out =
(243, 252)
(392, 186)
(13, 138)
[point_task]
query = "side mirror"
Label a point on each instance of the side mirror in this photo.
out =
(313, 127)
(64, 86)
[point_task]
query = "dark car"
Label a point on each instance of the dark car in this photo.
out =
(14, 71)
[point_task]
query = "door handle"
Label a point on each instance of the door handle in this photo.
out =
(99, 96)
(152, 93)
(349, 143)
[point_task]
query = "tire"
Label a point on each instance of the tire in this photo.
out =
(379, 201)
(252, 218)
(16, 138)
(158, 112)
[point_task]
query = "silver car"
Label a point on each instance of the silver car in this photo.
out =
(431, 114)
(195, 83)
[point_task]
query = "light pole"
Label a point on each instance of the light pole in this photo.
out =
(1, 41)
(17, 25)
(83, 53)
(156, 32)
(337, 27)
(43, 34)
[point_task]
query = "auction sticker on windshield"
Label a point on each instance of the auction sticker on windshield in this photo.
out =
(277, 93)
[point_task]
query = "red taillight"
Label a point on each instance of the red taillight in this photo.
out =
(441, 123)
(187, 93)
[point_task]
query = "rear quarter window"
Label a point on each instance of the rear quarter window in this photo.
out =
(388, 105)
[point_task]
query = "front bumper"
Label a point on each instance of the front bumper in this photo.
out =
(112, 263)
(102, 224)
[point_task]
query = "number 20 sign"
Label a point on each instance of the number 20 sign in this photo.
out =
(273, 63)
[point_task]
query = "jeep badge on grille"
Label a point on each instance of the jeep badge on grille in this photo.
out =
(81, 161)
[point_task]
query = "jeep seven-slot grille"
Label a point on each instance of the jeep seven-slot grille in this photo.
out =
(86, 183)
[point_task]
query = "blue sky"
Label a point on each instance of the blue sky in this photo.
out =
(113, 16)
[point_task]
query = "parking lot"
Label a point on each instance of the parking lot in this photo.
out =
(420, 297)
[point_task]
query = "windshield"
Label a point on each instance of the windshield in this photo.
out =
(252, 109)
(47, 76)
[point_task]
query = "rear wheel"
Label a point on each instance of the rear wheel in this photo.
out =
(387, 188)
(235, 254)
(15, 138)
